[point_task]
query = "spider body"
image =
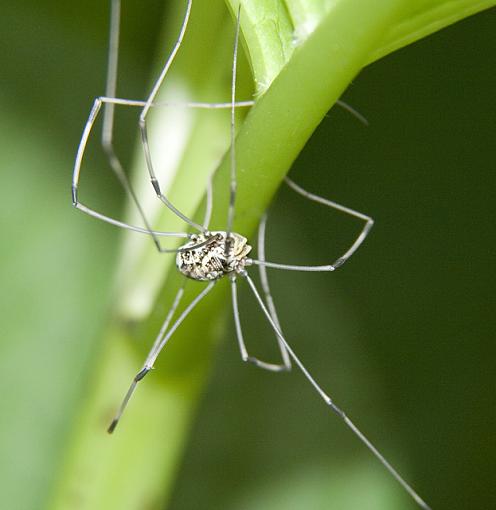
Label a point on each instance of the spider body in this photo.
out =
(212, 255)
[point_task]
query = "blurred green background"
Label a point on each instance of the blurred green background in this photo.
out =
(403, 336)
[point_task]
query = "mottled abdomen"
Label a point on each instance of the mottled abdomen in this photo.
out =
(207, 259)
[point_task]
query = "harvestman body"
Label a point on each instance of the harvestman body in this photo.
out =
(207, 256)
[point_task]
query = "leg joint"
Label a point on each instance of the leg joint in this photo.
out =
(142, 374)
(156, 187)
(74, 195)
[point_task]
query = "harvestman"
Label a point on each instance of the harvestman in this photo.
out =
(209, 255)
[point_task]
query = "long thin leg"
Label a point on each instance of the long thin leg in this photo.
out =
(170, 314)
(107, 138)
(355, 113)
(138, 377)
(75, 181)
(272, 367)
(369, 222)
(109, 102)
(327, 399)
(150, 360)
(108, 119)
(233, 181)
(95, 110)
(264, 280)
(143, 127)
(230, 219)
(171, 104)
(158, 345)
